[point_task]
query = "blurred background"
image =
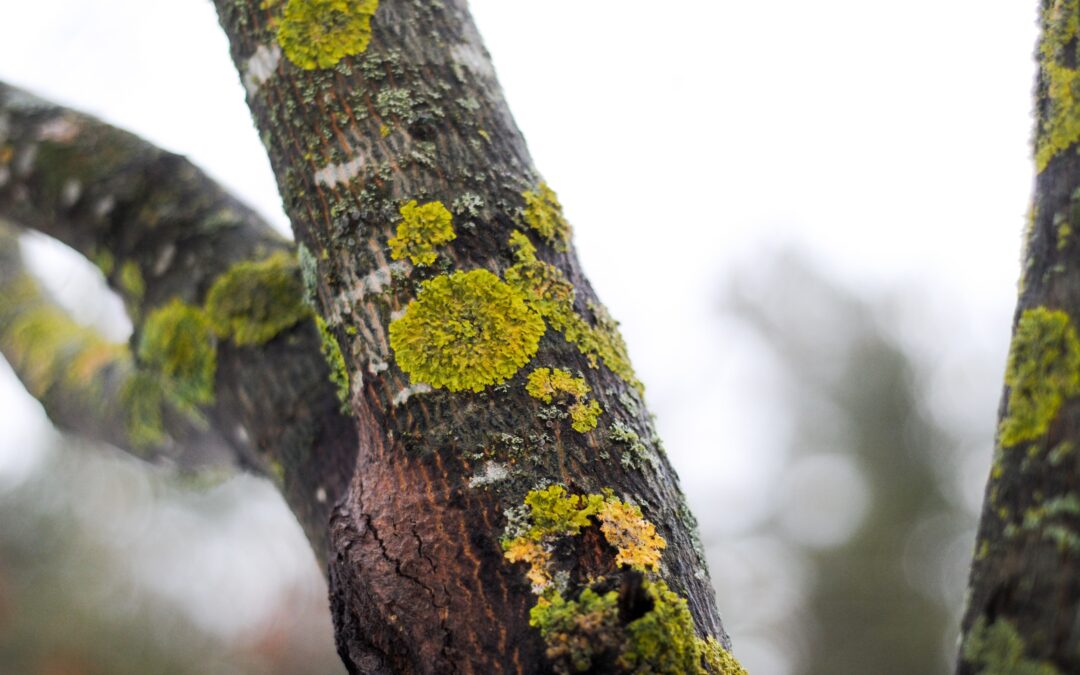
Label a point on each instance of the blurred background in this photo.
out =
(807, 217)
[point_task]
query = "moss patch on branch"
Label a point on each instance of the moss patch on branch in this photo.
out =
(998, 649)
(319, 33)
(1043, 370)
(177, 344)
(253, 302)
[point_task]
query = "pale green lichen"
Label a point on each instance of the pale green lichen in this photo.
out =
(422, 230)
(543, 213)
(309, 273)
(1058, 127)
(465, 331)
(319, 33)
(1043, 370)
(998, 649)
(339, 372)
(253, 302)
(547, 290)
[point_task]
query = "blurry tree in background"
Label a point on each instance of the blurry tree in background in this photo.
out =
(869, 503)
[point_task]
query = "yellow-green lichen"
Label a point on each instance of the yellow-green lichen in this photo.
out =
(422, 230)
(1043, 370)
(465, 331)
(547, 384)
(547, 290)
(1058, 126)
(553, 513)
(254, 301)
(998, 649)
(319, 33)
(589, 635)
(339, 372)
(131, 281)
(584, 415)
(543, 213)
(177, 345)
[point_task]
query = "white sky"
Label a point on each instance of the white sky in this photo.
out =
(890, 139)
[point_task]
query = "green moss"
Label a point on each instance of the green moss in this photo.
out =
(253, 302)
(143, 399)
(131, 281)
(543, 213)
(584, 415)
(588, 635)
(1058, 127)
(998, 649)
(319, 33)
(465, 331)
(422, 230)
(339, 372)
(177, 344)
(105, 262)
(1043, 370)
(579, 634)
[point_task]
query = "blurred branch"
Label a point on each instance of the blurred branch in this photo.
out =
(86, 384)
(246, 363)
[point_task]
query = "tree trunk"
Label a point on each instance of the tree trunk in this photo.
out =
(445, 274)
(1024, 596)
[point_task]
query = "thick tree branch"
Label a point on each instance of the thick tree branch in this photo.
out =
(221, 330)
(86, 384)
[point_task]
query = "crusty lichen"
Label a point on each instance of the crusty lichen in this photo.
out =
(550, 384)
(423, 229)
(635, 539)
(998, 649)
(253, 302)
(543, 213)
(584, 415)
(1058, 126)
(319, 33)
(177, 345)
(465, 331)
(1043, 370)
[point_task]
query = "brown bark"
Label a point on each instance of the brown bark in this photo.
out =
(418, 578)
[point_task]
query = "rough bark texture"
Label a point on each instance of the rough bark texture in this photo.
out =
(1024, 598)
(419, 581)
(161, 230)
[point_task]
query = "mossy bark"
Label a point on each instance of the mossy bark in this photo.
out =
(419, 581)
(162, 232)
(1024, 596)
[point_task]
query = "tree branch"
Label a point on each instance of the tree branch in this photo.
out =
(222, 335)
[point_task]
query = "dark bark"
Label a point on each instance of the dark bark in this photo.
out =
(419, 582)
(1024, 596)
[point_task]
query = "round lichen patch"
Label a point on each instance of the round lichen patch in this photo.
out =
(254, 301)
(319, 33)
(422, 230)
(465, 331)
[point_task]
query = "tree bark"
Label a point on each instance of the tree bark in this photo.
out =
(1024, 595)
(366, 128)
